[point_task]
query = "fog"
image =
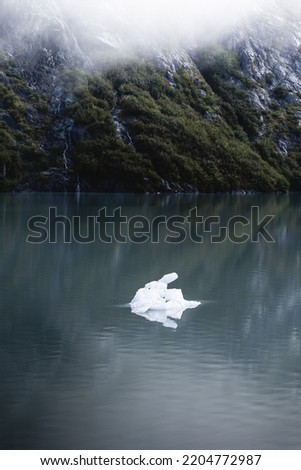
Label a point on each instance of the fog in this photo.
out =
(141, 23)
(169, 20)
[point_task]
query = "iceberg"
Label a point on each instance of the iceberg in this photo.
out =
(156, 302)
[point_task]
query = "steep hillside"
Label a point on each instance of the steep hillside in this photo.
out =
(80, 111)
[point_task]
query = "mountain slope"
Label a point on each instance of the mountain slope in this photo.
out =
(81, 109)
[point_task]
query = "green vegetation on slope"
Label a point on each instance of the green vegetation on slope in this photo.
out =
(178, 134)
(263, 127)
(23, 123)
(199, 132)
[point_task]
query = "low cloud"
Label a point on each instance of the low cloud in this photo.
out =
(130, 24)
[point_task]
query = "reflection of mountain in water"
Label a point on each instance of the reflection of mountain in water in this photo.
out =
(58, 299)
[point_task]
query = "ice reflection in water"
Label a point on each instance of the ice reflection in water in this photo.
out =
(157, 303)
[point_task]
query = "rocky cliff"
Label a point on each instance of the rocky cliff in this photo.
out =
(81, 109)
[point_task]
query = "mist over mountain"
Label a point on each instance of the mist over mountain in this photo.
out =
(132, 26)
(147, 96)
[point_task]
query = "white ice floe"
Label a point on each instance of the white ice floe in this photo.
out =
(156, 302)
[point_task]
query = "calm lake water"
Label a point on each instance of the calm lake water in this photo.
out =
(78, 370)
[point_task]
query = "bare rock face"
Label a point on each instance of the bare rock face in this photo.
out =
(269, 47)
